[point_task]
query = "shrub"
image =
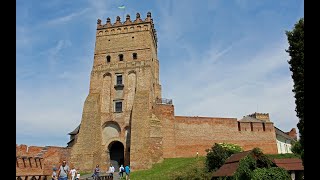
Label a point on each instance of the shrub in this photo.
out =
(262, 160)
(217, 155)
(245, 168)
(251, 162)
(232, 148)
(273, 173)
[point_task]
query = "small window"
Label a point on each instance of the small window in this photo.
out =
(120, 57)
(135, 55)
(108, 58)
(118, 106)
(119, 79)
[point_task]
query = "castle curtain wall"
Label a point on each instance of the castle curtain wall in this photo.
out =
(196, 134)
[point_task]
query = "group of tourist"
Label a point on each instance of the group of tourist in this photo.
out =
(64, 172)
(96, 172)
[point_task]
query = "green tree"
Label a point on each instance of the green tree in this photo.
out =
(255, 160)
(296, 52)
(217, 155)
(296, 148)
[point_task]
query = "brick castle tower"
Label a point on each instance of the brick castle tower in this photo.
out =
(124, 85)
(126, 121)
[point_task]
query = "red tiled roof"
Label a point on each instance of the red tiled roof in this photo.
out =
(289, 163)
(237, 157)
(226, 169)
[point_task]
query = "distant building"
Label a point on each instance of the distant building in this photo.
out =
(285, 140)
(293, 166)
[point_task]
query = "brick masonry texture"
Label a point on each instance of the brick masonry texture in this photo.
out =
(35, 160)
(148, 130)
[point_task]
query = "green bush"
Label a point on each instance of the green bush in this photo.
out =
(217, 155)
(273, 173)
(251, 162)
(245, 168)
(232, 148)
(262, 160)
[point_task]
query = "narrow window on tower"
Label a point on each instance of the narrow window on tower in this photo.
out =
(108, 58)
(118, 106)
(119, 79)
(135, 56)
(120, 57)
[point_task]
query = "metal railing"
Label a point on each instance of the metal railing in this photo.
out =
(103, 177)
(33, 177)
(163, 101)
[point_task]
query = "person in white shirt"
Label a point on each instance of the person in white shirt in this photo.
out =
(121, 170)
(111, 170)
(73, 172)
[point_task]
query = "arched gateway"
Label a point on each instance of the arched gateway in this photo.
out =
(116, 152)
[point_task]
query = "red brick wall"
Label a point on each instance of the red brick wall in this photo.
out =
(51, 156)
(292, 133)
(26, 169)
(54, 156)
(194, 134)
(166, 114)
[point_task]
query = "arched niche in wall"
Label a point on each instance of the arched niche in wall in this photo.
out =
(132, 79)
(106, 93)
(110, 129)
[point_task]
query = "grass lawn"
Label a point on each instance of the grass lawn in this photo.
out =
(168, 168)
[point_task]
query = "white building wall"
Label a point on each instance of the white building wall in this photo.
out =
(283, 144)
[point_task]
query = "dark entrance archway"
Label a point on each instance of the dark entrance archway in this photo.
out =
(116, 150)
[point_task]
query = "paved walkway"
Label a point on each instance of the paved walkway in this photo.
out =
(115, 176)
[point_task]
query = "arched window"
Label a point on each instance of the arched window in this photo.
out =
(108, 58)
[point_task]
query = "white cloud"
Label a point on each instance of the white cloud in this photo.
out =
(67, 18)
(227, 90)
(54, 53)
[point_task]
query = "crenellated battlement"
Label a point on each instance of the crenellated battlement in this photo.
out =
(127, 26)
(261, 116)
(255, 126)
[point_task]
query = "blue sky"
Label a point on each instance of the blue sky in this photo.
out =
(217, 58)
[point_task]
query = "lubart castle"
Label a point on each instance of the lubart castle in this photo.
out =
(125, 120)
